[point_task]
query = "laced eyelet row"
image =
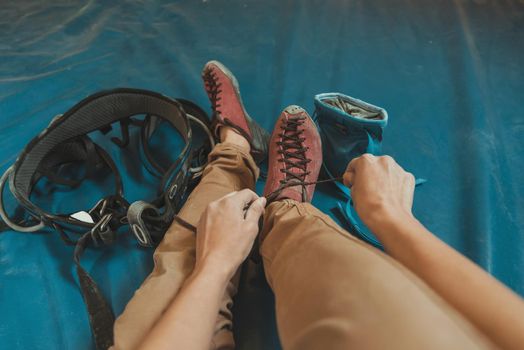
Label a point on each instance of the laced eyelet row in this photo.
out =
(212, 86)
(293, 151)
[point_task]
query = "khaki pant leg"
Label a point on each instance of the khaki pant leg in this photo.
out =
(229, 170)
(333, 291)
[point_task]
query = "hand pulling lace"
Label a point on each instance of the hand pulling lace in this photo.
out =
(270, 198)
(294, 157)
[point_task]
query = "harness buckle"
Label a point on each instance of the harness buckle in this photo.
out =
(102, 230)
(136, 215)
(99, 208)
(142, 236)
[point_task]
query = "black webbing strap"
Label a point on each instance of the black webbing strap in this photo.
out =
(65, 141)
(93, 113)
(101, 317)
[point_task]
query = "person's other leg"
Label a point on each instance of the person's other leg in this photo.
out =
(231, 168)
(333, 291)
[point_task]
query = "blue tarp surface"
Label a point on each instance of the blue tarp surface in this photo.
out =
(450, 74)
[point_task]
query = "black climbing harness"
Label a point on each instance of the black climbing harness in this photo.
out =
(66, 141)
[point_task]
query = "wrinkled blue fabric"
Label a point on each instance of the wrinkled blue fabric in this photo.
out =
(346, 136)
(449, 74)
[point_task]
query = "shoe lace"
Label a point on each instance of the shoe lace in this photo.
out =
(294, 157)
(213, 85)
(293, 150)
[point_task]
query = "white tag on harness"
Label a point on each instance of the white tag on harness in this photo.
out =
(83, 216)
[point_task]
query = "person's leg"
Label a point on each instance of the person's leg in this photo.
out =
(333, 291)
(231, 168)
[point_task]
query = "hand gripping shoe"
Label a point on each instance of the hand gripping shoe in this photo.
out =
(228, 110)
(295, 157)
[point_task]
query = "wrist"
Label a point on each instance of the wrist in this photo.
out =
(215, 267)
(385, 217)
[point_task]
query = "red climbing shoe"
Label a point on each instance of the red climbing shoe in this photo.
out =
(295, 157)
(228, 110)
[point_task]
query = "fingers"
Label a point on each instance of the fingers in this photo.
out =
(410, 179)
(409, 190)
(256, 209)
(357, 165)
(240, 199)
(354, 166)
(243, 197)
(347, 178)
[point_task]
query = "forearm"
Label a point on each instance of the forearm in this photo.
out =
(488, 304)
(189, 321)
